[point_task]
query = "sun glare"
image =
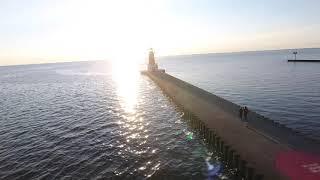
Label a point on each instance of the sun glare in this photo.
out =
(125, 74)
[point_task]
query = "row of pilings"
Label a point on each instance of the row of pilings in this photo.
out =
(229, 156)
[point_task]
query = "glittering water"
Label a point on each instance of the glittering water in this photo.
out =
(89, 120)
(264, 81)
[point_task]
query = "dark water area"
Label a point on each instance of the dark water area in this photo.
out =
(264, 81)
(87, 121)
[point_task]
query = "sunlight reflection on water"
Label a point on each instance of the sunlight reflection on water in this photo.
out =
(126, 78)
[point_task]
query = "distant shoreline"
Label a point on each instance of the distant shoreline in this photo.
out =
(58, 62)
(177, 55)
(241, 52)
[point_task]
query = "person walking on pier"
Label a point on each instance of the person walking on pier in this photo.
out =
(241, 112)
(245, 112)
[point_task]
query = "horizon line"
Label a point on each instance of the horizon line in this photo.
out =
(172, 55)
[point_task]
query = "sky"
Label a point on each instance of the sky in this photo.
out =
(45, 31)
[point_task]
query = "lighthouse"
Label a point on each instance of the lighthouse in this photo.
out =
(152, 65)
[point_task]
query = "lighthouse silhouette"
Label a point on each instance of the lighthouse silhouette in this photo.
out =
(152, 66)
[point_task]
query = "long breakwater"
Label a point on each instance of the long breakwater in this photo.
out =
(251, 150)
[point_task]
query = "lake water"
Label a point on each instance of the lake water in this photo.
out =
(90, 121)
(264, 81)
(94, 120)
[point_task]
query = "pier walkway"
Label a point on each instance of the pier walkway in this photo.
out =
(259, 144)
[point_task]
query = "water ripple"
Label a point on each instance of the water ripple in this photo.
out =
(77, 125)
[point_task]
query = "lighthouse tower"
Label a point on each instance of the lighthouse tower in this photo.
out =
(152, 66)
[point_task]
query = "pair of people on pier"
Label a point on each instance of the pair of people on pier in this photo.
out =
(243, 113)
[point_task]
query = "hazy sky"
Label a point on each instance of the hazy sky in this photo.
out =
(39, 31)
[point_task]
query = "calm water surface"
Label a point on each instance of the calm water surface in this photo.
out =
(263, 81)
(92, 121)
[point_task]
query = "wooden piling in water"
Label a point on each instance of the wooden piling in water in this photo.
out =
(243, 166)
(225, 153)
(250, 173)
(259, 177)
(221, 147)
(218, 143)
(236, 161)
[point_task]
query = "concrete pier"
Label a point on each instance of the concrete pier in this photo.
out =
(303, 60)
(251, 150)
